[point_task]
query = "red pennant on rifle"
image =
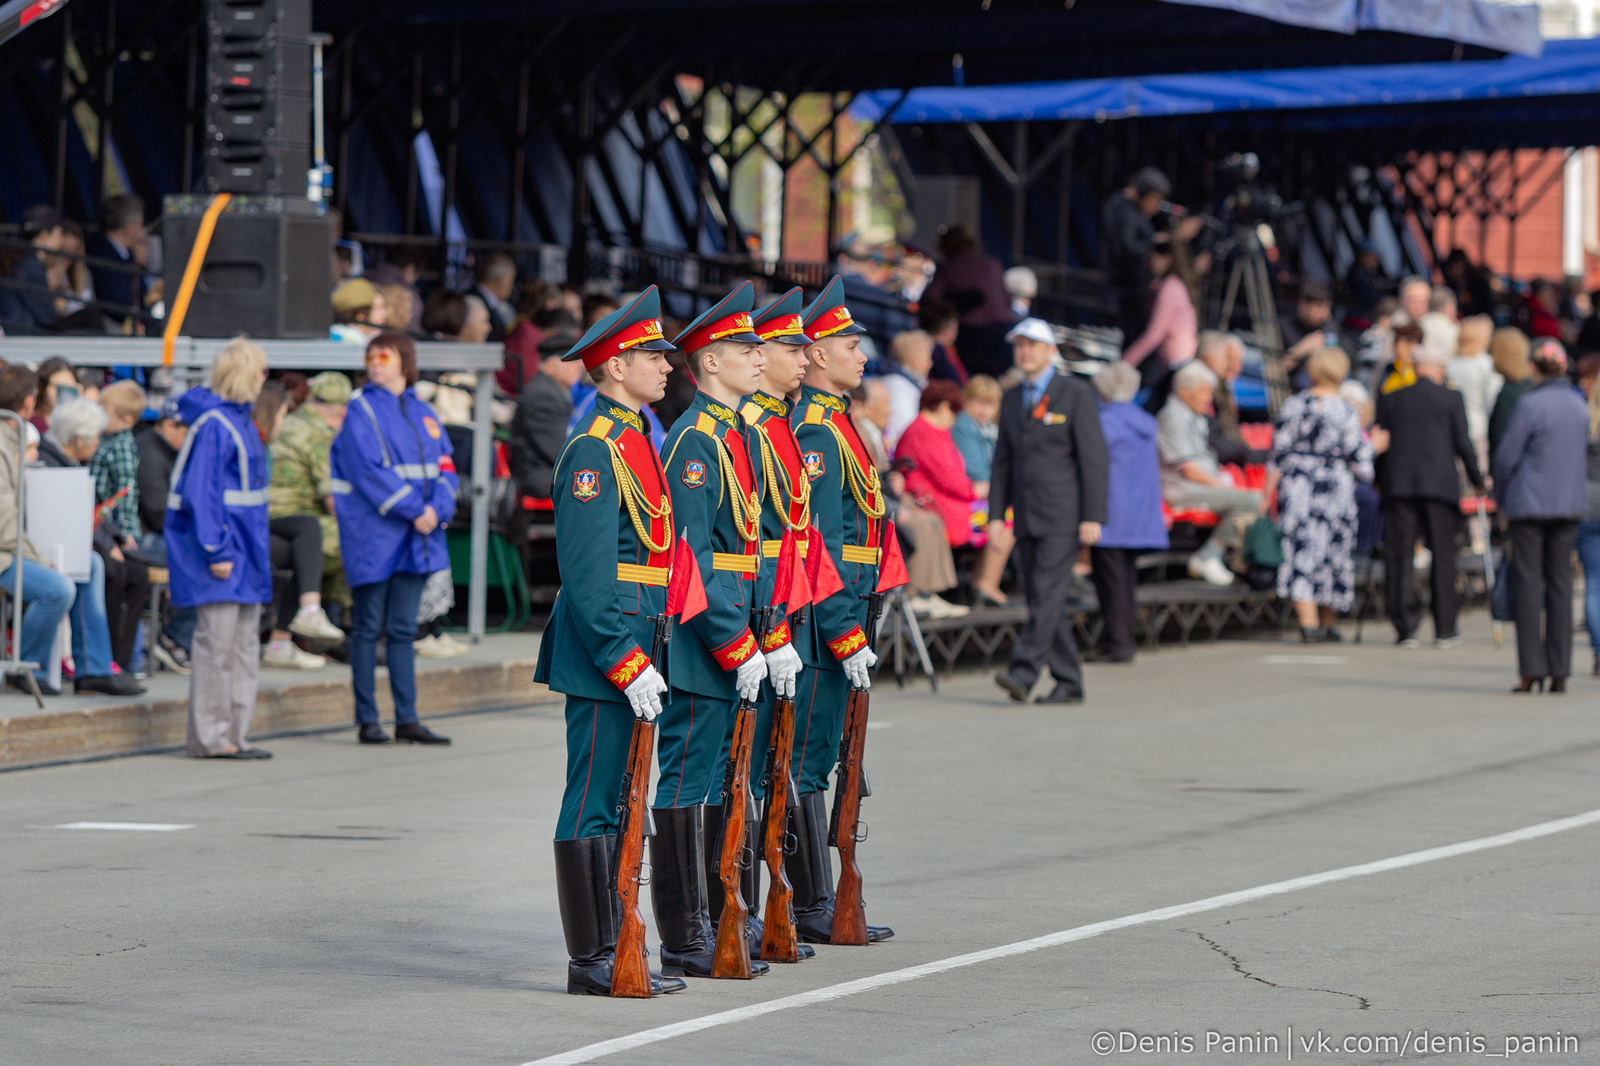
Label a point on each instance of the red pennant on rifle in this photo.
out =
(800, 589)
(820, 571)
(791, 589)
(686, 593)
(892, 571)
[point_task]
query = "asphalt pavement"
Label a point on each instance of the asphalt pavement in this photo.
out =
(340, 904)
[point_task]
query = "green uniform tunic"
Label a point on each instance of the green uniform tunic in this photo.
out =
(613, 583)
(716, 505)
(847, 509)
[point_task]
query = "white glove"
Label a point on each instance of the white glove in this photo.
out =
(783, 666)
(857, 667)
(750, 675)
(645, 694)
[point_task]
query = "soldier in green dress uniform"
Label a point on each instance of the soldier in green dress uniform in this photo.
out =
(614, 538)
(847, 508)
(786, 509)
(715, 659)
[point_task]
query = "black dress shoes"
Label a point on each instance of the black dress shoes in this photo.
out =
(1062, 694)
(257, 753)
(20, 683)
(417, 733)
(110, 685)
(373, 734)
(1014, 688)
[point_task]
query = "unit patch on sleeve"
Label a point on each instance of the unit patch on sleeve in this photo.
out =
(585, 484)
(815, 467)
(694, 473)
(431, 426)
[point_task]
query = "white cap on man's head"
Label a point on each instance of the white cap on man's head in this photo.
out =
(1035, 329)
(1020, 281)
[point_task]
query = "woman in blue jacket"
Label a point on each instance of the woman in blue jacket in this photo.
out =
(1133, 507)
(218, 549)
(394, 491)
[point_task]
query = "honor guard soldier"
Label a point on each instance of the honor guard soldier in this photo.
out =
(614, 538)
(715, 660)
(847, 508)
(786, 508)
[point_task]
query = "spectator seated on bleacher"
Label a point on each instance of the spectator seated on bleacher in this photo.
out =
(539, 427)
(115, 469)
(301, 483)
(1191, 475)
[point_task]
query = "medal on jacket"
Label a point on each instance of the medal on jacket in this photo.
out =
(1042, 413)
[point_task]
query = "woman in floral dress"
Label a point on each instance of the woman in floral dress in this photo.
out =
(1317, 455)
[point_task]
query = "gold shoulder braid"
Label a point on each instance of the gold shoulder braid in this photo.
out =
(746, 512)
(864, 484)
(782, 491)
(632, 493)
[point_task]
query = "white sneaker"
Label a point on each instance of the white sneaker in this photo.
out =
(429, 647)
(1212, 570)
(943, 608)
(312, 623)
(454, 647)
(291, 658)
(922, 605)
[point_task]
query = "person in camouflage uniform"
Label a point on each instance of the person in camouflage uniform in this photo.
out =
(300, 479)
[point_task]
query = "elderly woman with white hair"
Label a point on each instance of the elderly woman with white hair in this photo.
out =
(219, 549)
(1317, 455)
(75, 428)
(1191, 475)
(1133, 507)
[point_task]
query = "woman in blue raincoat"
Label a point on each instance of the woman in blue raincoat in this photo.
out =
(394, 491)
(218, 549)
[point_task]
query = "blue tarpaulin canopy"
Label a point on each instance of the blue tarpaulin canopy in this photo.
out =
(1566, 68)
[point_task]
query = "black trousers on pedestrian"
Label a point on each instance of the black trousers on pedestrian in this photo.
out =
(1116, 580)
(1047, 640)
(297, 546)
(127, 595)
(1436, 522)
(1541, 580)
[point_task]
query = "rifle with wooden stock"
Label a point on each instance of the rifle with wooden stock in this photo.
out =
(844, 828)
(731, 958)
(630, 972)
(780, 942)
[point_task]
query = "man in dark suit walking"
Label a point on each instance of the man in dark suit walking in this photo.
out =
(1050, 468)
(1425, 431)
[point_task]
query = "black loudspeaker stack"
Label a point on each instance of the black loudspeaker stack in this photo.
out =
(258, 96)
(267, 271)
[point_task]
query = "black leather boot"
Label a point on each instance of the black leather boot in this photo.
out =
(591, 915)
(815, 808)
(810, 873)
(588, 912)
(678, 893)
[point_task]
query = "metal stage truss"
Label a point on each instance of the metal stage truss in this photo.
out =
(467, 123)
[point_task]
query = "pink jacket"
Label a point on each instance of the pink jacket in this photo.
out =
(940, 482)
(1172, 330)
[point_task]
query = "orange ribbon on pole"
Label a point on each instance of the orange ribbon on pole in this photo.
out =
(191, 275)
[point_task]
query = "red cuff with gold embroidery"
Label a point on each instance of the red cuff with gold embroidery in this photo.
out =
(733, 654)
(847, 645)
(628, 667)
(777, 638)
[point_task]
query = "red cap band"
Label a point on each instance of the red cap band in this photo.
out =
(782, 326)
(648, 329)
(717, 329)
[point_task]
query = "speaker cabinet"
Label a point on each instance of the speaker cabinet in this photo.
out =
(268, 271)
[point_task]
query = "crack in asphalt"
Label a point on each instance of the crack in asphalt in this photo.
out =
(1238, 968)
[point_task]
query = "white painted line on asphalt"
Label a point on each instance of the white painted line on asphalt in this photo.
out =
(880, 725)
(1305, 660)
(1066, 936)
(135, 827)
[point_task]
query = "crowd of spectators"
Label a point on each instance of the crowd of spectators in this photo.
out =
(1404, 399)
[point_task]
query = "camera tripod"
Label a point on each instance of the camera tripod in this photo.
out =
(1249, 271)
